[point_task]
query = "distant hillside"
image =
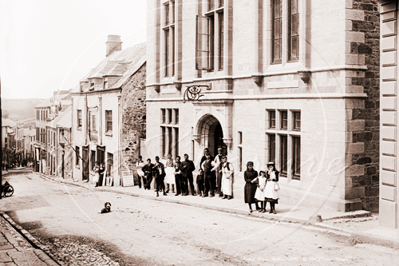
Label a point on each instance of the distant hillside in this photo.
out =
(20, 109)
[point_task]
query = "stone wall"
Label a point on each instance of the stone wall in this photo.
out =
(363, 118)
(133, 117)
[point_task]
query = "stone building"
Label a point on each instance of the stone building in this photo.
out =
(45, 144)
(290, 81)
(389, 195)
(107, 112)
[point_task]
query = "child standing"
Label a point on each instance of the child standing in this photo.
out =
(200, 183)
(260, 191)
(272, 187)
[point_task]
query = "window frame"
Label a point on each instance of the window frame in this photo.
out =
(291, 33)
(108, 122)
(277, 21)
(79, 119)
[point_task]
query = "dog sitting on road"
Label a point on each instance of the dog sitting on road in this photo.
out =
(107, 208)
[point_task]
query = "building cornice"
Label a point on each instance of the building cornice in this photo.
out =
(271, 97)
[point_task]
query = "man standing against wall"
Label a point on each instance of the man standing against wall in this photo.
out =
(187, 168)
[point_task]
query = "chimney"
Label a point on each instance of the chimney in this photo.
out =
(113, 44)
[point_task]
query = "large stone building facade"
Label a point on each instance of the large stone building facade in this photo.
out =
(389, 195)
(294, 82)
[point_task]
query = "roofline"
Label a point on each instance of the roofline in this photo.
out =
(135, 71)
(95, 91)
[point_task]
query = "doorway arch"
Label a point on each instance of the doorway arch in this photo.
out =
(210, 132)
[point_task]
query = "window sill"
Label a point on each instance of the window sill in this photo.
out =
(79, 128)
(77, 166)
(108, 134)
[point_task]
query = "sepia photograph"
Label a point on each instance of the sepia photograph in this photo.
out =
(199, 132)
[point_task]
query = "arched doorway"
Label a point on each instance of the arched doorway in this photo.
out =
(211, 133)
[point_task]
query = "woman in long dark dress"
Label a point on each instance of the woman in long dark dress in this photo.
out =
(250, 176)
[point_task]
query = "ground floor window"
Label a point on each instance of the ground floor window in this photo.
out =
(296, 157)
(110, 163)
(92, 159)
(284, 145)
(170, 132)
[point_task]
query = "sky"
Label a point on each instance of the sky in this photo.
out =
(50, 45)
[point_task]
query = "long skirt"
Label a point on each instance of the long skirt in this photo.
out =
(271, 194)
(170, 175)
(226, 186)
(249, 192)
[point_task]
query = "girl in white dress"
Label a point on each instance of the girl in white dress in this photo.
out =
(260, 191)
(170, 174)
(272, 187)
(227, 176)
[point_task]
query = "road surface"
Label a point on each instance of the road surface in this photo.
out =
(145, 232)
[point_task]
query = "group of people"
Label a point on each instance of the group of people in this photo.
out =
(176, 176)
(215, 176)
(261, 188)
(99, 175)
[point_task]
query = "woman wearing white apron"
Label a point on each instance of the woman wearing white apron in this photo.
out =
(272, 187)
(227, 176)
(170, 174)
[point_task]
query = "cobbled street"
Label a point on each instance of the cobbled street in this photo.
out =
(145, 232)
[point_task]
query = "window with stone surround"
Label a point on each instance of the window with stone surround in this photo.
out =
(169, 38)
(108, 121)
(293, 30)
(277, 34)
(79, 118)
(210, 37)
(287, 16)
(170, 132)
(92, 160)
(283, 141)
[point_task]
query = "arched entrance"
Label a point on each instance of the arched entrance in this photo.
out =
(211, 133)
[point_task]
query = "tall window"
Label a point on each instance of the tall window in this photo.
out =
(110, 163)
(293, 33)
(108, 121)
(296, 157)
(169, 38)
(283, 155)
(210, 37)
(272, 119)
(277, 27)
(79, 118)
(284, 141)
(272, 147)
(284, 120)
(170, 132)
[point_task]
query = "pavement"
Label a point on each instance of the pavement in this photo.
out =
(361, 225)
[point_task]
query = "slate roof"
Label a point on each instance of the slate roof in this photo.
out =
(119, 63)
(63, 120)
(5, 122)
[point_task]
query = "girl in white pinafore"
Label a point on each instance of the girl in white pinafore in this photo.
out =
(260, 190)
(227, 178)
(170, 174)
(272, 187)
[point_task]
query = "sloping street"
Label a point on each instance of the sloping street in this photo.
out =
(145, 232)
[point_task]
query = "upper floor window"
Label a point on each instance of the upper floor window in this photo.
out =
(283, 120)
(108, 121)
(210, 37)
(293, 34)
(169, 38)
(79, 118)
(277, 11)
(272, 119)
(291, 19)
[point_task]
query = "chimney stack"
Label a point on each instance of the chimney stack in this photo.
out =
(113, 44)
